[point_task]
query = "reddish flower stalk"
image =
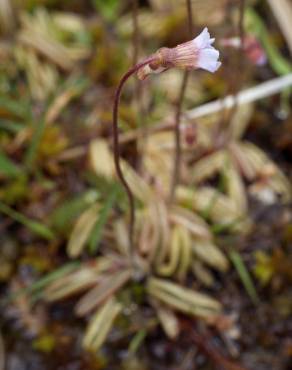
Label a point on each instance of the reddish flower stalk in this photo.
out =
(194, 54)
(116, 145)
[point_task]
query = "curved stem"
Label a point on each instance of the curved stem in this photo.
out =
(116, 145)
(178, 151)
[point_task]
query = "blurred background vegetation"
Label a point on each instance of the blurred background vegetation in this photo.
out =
(209, 284)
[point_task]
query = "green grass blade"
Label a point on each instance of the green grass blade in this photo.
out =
(256, 25)
(31, 153)
(11, 126)
(244, 275)
(137, 341)
(7, 167)
(44, 281)
(102, 219)
(108, 9)
(34, 226)
(17, 107)
(66, 213)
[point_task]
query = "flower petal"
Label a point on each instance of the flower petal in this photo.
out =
(203, 40)
(208, 59)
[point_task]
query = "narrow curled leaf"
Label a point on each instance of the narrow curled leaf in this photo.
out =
(210, 254)
(82, 231)
(208, 166)
(235, 188)
(189, 220)
(103, 216)
(179, 257)
(101, 324)
(186, 255)
(242, 160)
(101, 159)
(105, 289)
(71, 284)
(277, 181)
(203, 274)
(169, 267)
(168, 320)
(183, 299)
(149, 234)
(163, 227)
(76, 281)
(211, 203)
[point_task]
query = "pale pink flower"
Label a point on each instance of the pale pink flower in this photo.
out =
(251, 46)
(194, 54)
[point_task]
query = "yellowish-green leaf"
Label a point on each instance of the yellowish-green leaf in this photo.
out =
(101, 324)
(82, 230)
